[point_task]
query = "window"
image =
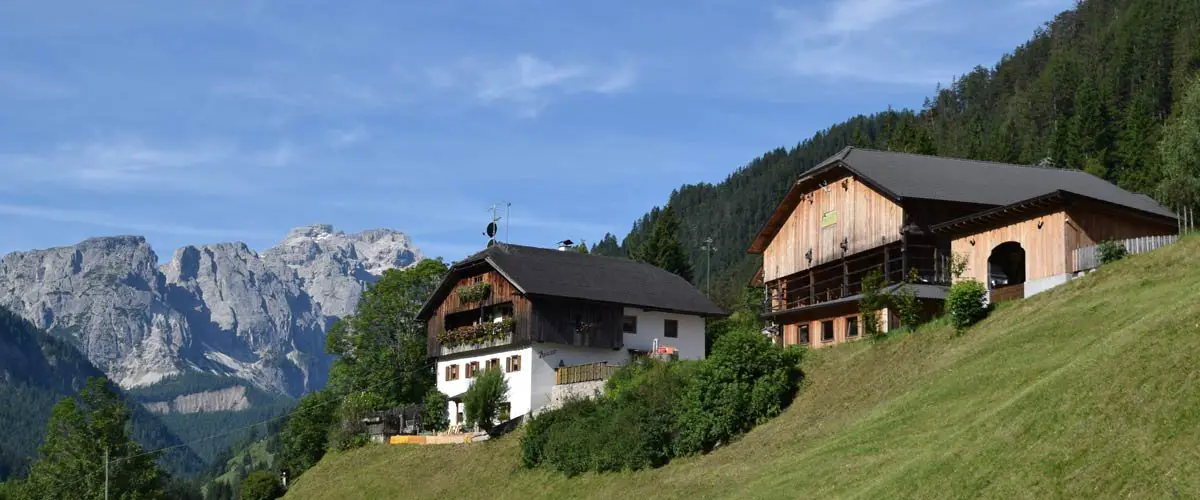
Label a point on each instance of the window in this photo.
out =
(852, 326)
(505, 411)
(451, 372)
(804, 334)
(493, 363)
(670, 328)
(827, 331)
(512, 364)
(629, 324)
(472, 369)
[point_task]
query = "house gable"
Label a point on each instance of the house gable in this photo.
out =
(830, 216)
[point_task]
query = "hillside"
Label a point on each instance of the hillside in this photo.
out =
(1090, 90)
(36, 371)
(1089, 390)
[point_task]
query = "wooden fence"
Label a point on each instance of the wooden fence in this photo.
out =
(1089, 258)
(583, 373)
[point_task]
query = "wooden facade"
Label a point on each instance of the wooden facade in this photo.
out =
(453, 312)
(842, 218)
(536, 319)
(1048, 238)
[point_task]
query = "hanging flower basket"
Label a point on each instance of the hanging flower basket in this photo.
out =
(476, 334)
(474, 293)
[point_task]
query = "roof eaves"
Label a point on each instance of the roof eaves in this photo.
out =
(505, 274)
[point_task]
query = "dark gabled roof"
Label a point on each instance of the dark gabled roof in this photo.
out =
(1013, 212)
(902, 176)
(569, 274)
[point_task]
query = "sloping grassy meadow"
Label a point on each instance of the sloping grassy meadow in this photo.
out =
(1091, 390)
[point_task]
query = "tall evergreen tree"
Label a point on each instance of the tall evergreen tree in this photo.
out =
(80, 434)
(1180, 186)
(608, 246)
(663, 248)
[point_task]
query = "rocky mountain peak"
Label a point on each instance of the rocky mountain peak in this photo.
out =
(221, 308)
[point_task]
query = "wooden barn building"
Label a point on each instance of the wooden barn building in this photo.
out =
(861, 210)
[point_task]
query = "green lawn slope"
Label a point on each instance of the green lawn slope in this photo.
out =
(1091, 390)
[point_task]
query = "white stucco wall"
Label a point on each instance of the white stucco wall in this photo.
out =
(690, 342)
(519, 382)
(533, 386)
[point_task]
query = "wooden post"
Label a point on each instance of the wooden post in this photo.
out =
(812, 288)
(887, 263)
(845, 276)
(903, 256)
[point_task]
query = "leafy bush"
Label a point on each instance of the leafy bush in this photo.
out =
(964, 303)
(349, 431)
(872, 301)
(261, 485)
(746, 381)
(538, 428)
(1111, 251)
(435, 411)
(652, 411)
(483, 399)
(905, 301)
(306, 435)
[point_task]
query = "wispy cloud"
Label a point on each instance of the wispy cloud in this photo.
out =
(112, 221)
(130, 163)
(875, 41)
(530, 83)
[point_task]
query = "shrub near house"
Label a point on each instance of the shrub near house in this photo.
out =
(653, 411)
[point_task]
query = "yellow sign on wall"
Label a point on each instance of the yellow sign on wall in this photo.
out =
(829, 218)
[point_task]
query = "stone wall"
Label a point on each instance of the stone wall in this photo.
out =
(563, 393)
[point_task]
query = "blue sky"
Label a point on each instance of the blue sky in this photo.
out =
(209, 121)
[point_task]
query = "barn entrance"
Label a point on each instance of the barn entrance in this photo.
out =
(1006, 272)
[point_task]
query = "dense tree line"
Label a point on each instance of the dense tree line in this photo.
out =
(1091, 90)
(37, 371)
(381, 363)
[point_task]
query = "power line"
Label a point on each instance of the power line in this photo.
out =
(108, 463)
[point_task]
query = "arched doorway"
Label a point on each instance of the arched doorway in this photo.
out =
(1006, 272)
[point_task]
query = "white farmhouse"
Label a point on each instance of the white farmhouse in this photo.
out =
(539, 315)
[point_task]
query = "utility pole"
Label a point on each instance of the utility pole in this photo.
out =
(709, 248)
(105, 473)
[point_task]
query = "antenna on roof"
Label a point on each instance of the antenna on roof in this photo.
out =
(492, 227)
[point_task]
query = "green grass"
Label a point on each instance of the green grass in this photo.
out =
(1091, 390)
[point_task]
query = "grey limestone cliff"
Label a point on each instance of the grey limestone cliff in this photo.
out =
(220, 308)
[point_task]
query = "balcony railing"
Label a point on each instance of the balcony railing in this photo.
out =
(844, 278)
(583, 373)
(477, 336)
(498, 342)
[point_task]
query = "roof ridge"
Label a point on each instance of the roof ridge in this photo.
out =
(972, 160)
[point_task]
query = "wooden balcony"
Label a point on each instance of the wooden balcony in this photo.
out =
(500, 342)
(844, 278)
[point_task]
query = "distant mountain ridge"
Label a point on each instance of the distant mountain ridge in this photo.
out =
(36, 371)
(219, 308)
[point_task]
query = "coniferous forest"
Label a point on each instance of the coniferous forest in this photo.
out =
(1091, 90)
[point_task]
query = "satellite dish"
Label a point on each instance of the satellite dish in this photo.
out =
(491, 229)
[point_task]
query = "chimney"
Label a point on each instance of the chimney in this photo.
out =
(565, 245)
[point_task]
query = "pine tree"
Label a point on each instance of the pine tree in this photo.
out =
(78, 437)
(1180, 186)
(608, 246)
(663, 248)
